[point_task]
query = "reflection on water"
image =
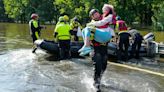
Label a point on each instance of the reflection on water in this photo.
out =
(23, 71)
(14, 36)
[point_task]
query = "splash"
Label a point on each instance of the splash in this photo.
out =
(88, 82)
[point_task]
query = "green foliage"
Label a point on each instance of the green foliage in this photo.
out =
(73, 8)
(15, 8)
(143, 11)
(44, 8)
(3, 16)
(158, 18)
(22, 9)
(136, 10)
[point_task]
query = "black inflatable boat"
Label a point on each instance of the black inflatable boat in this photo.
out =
(147, 49)
(52, 47)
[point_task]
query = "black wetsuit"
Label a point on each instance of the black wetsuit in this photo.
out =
(123, 46)
(64, 46)
(33, 30)
(100, 61)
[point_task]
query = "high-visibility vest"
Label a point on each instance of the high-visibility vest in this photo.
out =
(63, 30)
(34, 28)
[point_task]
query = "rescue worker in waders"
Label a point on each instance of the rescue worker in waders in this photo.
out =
(35, 29)
(123, 41)
(100, 41)
(62, 34)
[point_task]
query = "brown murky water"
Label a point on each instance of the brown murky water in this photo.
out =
(23, 71)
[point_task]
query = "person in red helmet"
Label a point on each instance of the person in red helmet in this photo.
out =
(35, 28)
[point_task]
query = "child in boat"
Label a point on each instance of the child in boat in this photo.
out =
(102, 33)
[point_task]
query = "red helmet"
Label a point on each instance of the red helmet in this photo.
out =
(34, 15)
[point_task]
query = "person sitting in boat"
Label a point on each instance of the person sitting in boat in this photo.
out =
(102, 33)
(136, 44)
(123, 40)
(62, 33)
(76, 28)
(35, 29)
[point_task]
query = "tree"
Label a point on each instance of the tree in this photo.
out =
(3, 16)
(44, 8)
(22, 9)
(15, 8)
(73, 8)
(142, 11)
(158, 17)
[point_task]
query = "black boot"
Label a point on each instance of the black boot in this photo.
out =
(33, 51)
(97, 83)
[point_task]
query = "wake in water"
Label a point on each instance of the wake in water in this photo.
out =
(88, 82)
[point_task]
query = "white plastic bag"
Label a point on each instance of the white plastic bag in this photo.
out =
(79, 33)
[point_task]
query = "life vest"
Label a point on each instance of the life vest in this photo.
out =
(63, 30)
(34, 28)
(74, 24)
(33, 25)
(121, 26)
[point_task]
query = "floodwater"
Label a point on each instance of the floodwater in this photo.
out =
(23, 71)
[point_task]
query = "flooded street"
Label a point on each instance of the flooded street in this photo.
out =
(23, 71)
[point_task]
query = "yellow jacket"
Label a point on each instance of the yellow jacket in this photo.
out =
(63, 30)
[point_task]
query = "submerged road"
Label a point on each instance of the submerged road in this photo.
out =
(138, 69)
(22, 71)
